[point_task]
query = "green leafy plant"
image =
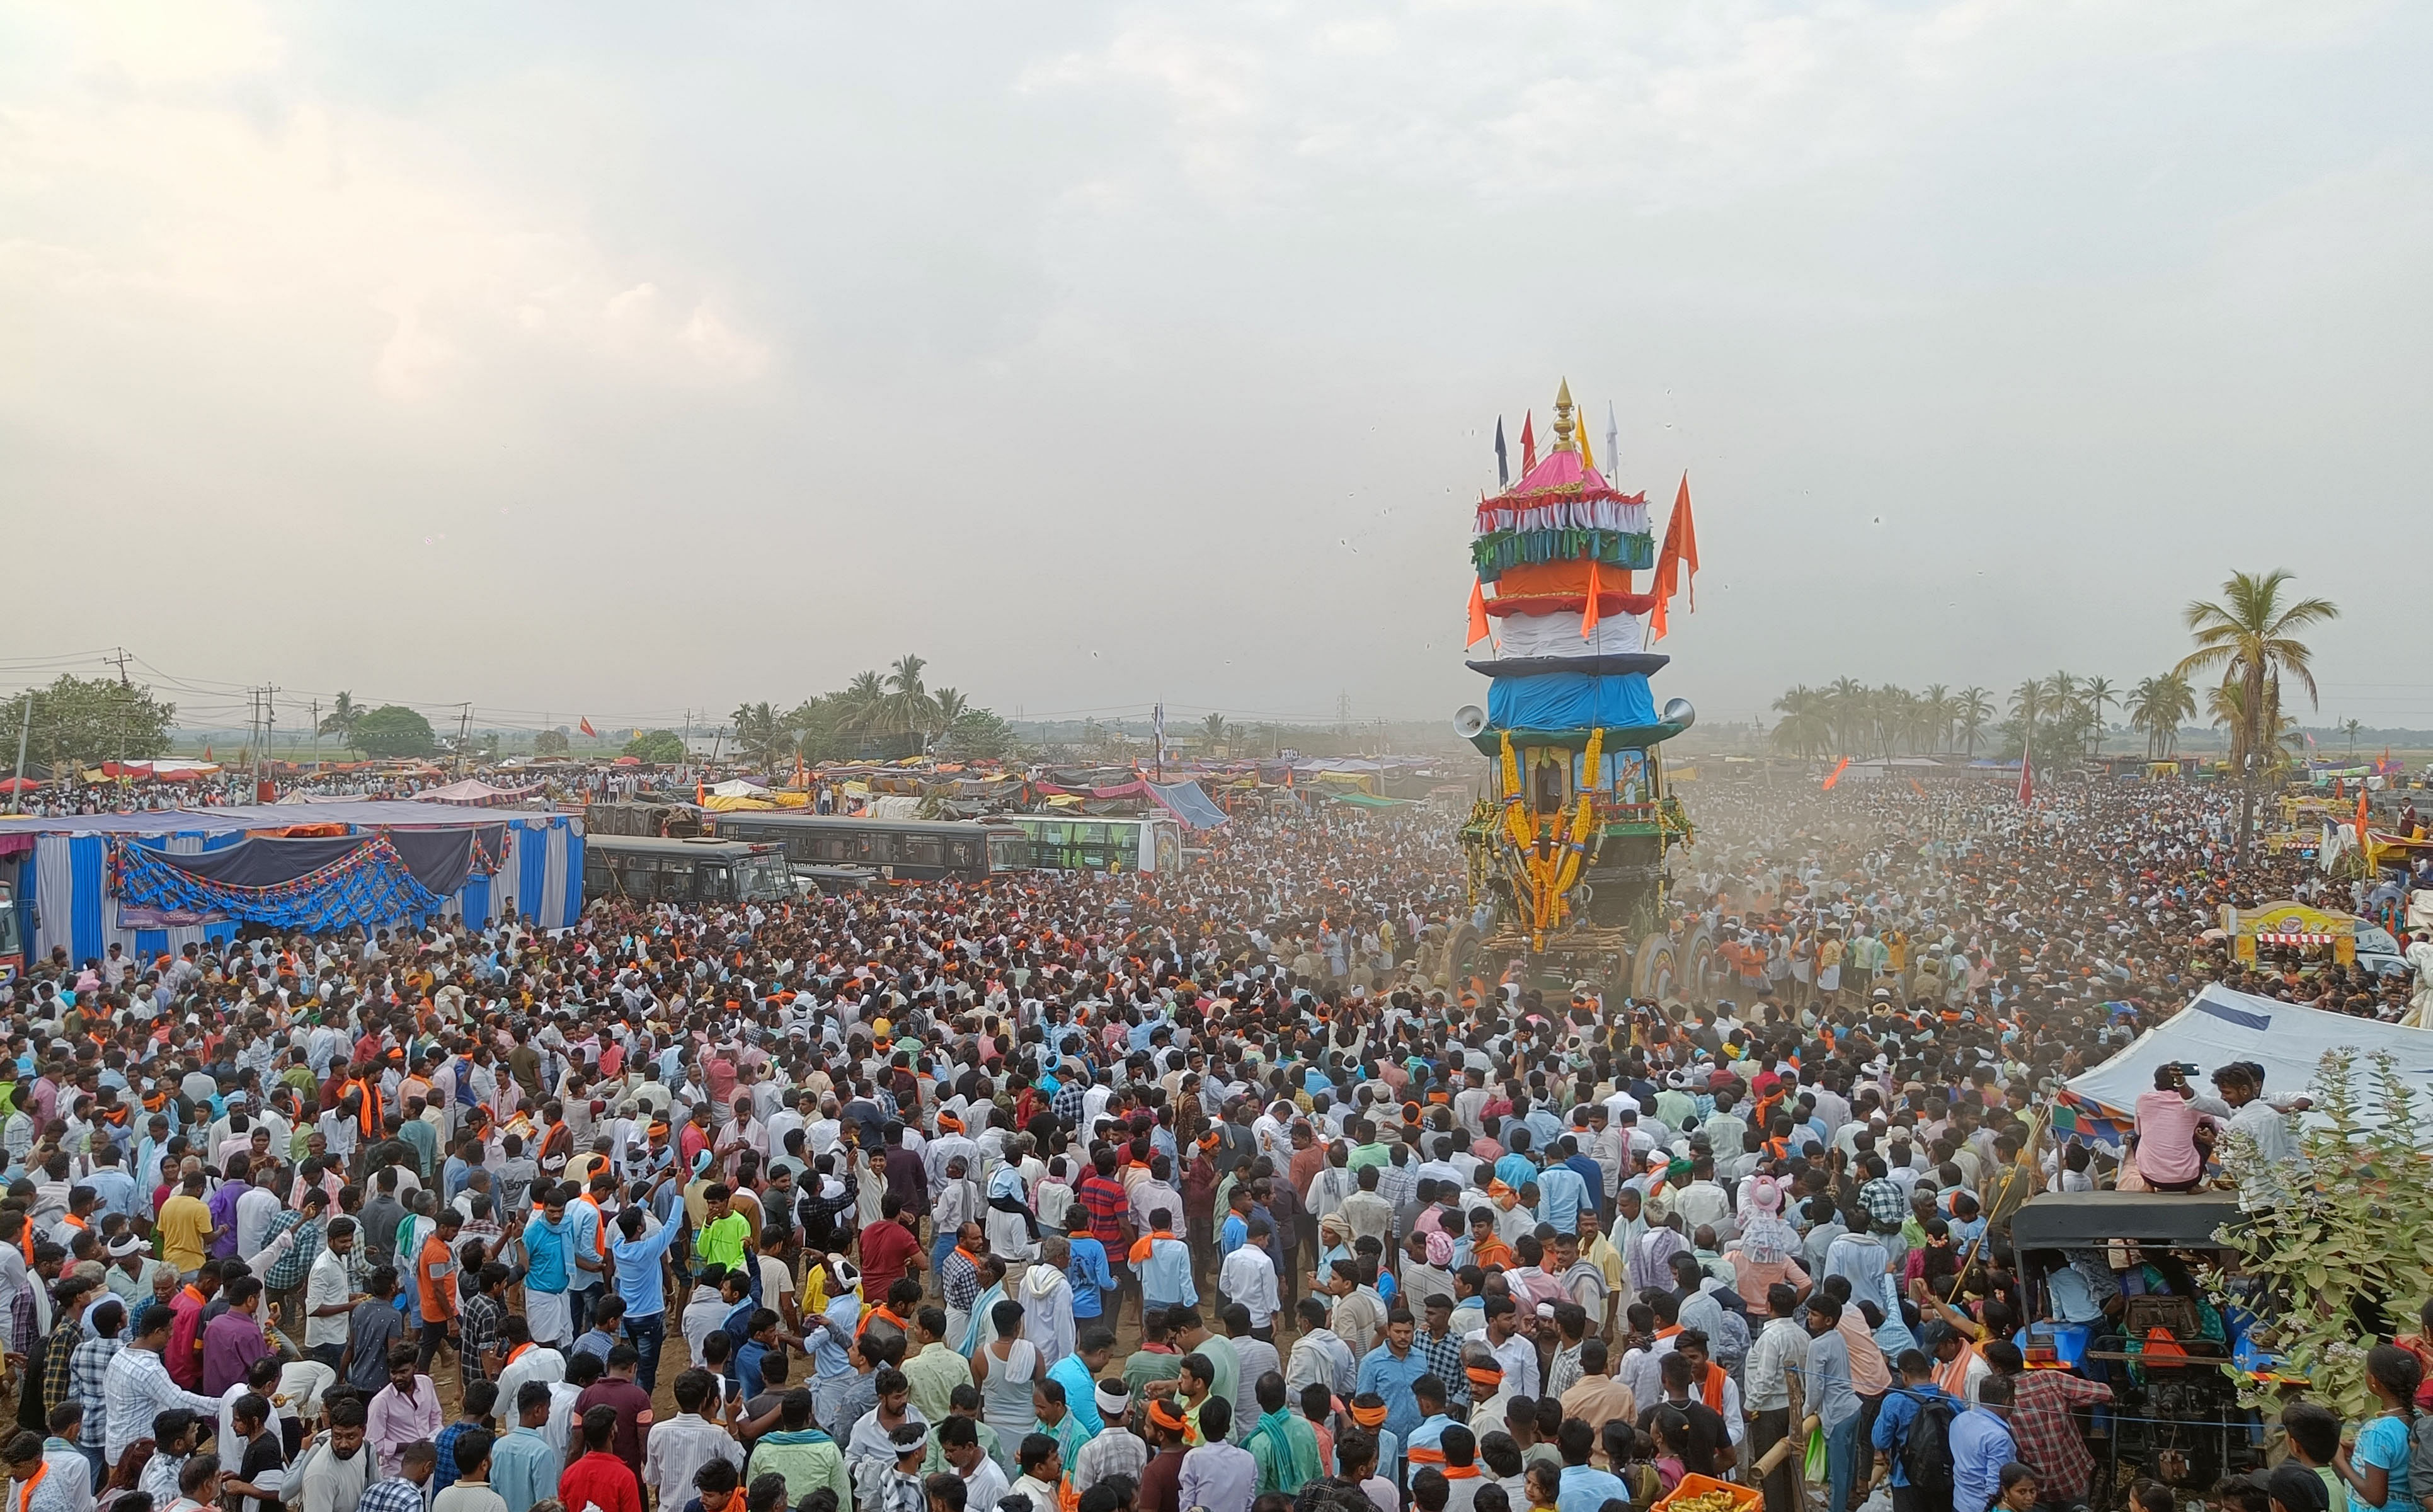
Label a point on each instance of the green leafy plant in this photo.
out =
(2341, 1240)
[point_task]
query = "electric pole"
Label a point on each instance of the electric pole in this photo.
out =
(316, 737)
(269, 778)
(463, 732)
(127, 718)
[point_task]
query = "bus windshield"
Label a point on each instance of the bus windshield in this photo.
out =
(759, 878)
(1009, 853)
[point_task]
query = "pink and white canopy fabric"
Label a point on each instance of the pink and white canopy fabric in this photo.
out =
(1572, 496)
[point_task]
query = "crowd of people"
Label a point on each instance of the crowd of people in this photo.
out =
(1213, 1189)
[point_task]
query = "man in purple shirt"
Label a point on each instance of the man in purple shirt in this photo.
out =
(232, 1341)
(223, 1206)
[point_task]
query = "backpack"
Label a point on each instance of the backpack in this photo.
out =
(291, 1491)
(1925, 1451)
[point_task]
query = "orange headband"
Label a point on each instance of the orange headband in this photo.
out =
(1371, 1418)
(1166, 1415)
(1481, 1375)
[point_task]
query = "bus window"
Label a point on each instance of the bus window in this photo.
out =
(596, 882)
(833, 848)
(917, 850)
(764, 876)
(1008, 853)
(959, 854)
(641, 880)
(716, 886)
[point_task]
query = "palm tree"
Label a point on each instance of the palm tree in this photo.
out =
(911, 709)
(861, 706)
(2098, 695)
(762, 737)
(341, 718)
(2350, 728)
(2249, 635)
(1212, 730)
(946, 706)
(1973, 707)
(1846, 707)
(1807, 727)
(2159, 705)
(1938, 708)
(2029, 702)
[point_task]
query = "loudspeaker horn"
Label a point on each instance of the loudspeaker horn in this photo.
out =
(1469, 720)
(1677, 711)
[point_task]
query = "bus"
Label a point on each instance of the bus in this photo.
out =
(701, 870)
(901, 850)
(1098, 842)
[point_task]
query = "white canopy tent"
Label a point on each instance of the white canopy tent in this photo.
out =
(2288, 1042)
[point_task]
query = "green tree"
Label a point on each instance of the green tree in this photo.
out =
(979, 732)
(911, 709)
(1806, 729)
(341, 718)
(1973, 707)
(2100, 695)
(550, 743)
(2249, 635)
(393, 730)
(861, 706)
(2347, 1227)
(1938, 708)
(660, 748)
(84, 722)
(946, 706)
(764, 737)
(2159, 705)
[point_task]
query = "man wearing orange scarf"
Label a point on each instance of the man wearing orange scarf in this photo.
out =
(1162, 1262)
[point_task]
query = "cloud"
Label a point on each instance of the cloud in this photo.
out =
(177, 171)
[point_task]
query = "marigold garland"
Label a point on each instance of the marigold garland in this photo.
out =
(1548, 879)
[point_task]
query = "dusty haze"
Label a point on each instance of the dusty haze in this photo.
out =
(610, 359)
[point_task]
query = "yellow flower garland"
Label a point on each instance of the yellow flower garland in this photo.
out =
(1548, 878)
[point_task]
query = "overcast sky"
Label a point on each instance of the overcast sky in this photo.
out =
(607, 360)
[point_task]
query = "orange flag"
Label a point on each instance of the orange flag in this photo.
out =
(1479, 626)
(1589, 614)
(1680, 554)
(1835, 775)
(1682, 533)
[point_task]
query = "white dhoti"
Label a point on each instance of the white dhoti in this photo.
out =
(548, 1317)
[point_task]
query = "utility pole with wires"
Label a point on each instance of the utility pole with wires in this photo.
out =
(127, 717)
(316, 737)
(464, 733)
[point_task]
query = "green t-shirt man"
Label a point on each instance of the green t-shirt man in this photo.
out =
(721, 1240)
